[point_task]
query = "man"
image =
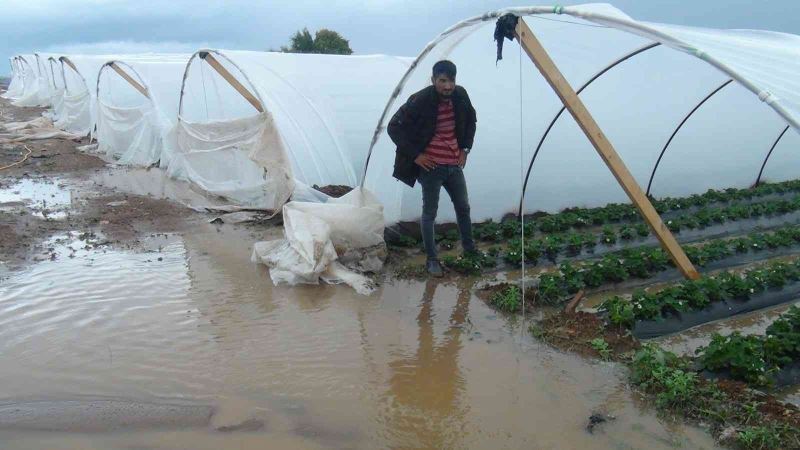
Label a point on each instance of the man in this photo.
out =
(434, 131)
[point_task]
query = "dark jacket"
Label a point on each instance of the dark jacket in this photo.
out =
(413, 125)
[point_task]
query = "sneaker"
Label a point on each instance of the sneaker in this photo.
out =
(434, 268)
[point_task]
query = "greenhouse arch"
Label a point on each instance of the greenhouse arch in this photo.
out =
(711, 49)
(678, 128)
(769, 153)
(563, 108)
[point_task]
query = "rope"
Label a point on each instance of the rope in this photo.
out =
(21, 160)
(522, 186)
(205, 96)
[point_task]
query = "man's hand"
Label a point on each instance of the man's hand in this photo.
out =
(462, 159)
(425, 162)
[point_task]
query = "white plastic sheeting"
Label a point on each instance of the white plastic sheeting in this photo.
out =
(638, 104)
(319, 114)
(31, 80)
(78, 109)
(134, 129)
(16, 85)
(334, 242)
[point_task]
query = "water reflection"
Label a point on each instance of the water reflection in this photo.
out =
(426, 388)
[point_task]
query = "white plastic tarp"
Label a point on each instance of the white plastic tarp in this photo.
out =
(16, 85)
(638, 104)
(31, 81)
(320, 109)
(134, 129)
(78, 111)
(335, 242)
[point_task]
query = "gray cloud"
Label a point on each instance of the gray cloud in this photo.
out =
(373, 26)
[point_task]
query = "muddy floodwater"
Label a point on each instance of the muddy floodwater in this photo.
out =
(187, 320)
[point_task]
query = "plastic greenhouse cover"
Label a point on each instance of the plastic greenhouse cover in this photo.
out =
(30, 91)
(16, 86)
(638, 104)
(322, 108)
(132, 128)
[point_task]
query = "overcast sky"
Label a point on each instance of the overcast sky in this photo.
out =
(398, 27)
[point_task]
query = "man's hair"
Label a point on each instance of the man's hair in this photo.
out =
(444, 67)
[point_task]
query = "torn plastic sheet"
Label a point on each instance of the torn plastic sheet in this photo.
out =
(336, 242)
(36, 129)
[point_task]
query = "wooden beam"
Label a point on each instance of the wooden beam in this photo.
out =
(52, 74)
(207, 57)
(534, 49)
(129, 79)
(69, 63)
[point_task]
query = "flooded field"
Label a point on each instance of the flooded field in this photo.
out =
(188, 319)
(128, 320)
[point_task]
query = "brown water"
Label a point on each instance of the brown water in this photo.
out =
(189, 320)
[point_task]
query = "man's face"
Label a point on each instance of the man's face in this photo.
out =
(444, 85)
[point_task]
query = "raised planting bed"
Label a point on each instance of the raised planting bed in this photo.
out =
(691, 303)
(772, 358)
(737, 416)
(579, 218)
(631, 266)
(635, 267)
(689, 228)
(585, 334)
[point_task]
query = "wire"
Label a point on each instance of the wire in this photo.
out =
(20, 161)
(522, 186)
(205, 96)
(567, 21)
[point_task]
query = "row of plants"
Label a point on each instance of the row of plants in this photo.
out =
(576, 218)
(573, 243)
(736, 416)
(755, 358)
(625, 264)
(697, 294)
(644, 262)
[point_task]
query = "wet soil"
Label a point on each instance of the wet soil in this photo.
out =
(334, 190)
(768, 405)
(48, 194)
(575, 332)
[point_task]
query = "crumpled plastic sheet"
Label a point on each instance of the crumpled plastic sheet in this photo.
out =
(36, 129)
(334, 242)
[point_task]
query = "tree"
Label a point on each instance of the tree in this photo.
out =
(331, 43)
(325, 41)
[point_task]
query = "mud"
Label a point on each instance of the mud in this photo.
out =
(575, 333)
(334, 190)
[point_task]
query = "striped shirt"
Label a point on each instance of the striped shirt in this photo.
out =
(443, 148)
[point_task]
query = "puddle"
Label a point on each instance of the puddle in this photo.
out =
(47, 198)
(417, 365)
(790, 395)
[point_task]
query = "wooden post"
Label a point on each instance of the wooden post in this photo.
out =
(129, 79)
(207, 57)
(575, 106)
(52, 74)
(66, 61)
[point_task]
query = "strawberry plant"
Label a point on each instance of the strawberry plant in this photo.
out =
(697, 294)
(742, 356)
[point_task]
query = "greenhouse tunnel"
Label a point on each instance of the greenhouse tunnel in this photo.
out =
(638, 91)
(137, 105)
(316, 129)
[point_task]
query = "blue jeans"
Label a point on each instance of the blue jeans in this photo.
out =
(452, 178)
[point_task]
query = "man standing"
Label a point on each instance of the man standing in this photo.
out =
(433, 132)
